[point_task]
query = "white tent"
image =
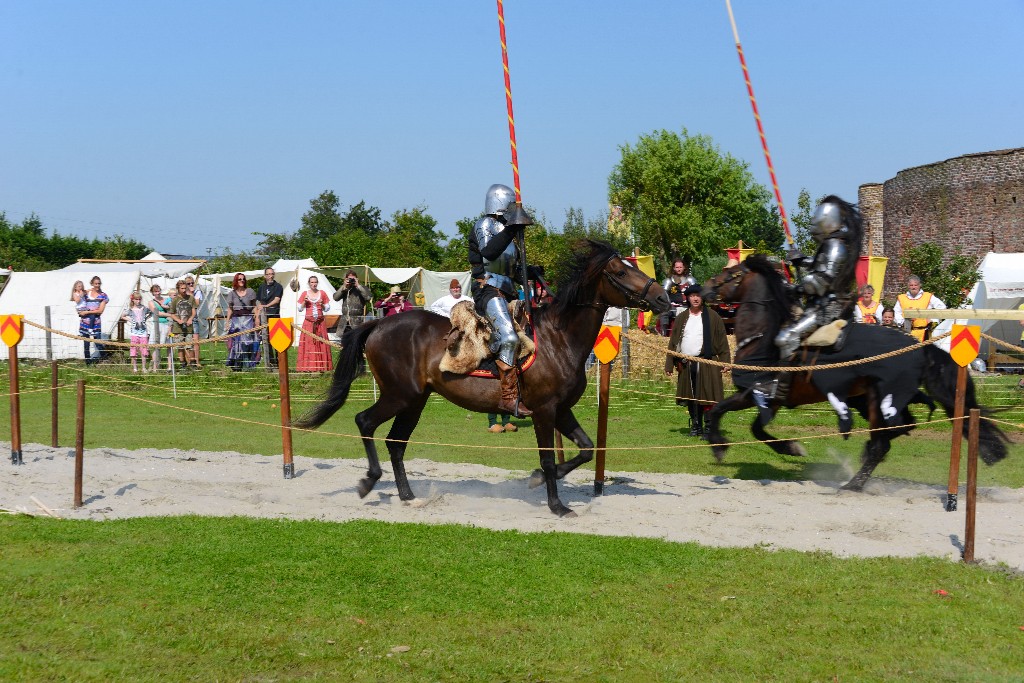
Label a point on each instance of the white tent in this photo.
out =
(1001, 287)
(31, 294)
(431, 283)
(285, 272)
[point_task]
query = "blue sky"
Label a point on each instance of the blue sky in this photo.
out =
(190, 125)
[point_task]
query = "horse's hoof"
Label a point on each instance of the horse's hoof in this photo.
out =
(564, 512)
(719, 453)
(536, 479)
(852, 486)
(365, 486)
(797, 449)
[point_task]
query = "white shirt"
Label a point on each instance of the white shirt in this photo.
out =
(693, 334)
(444, 305)
(613, 317)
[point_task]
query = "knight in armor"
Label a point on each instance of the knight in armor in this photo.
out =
(826, 284)
(829, 274)
(675, 285)
(494, 259)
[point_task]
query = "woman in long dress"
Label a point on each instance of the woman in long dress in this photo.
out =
(242, 309)
(314, 355)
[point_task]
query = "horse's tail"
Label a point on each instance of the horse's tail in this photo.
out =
(940, 382)
(350, 366)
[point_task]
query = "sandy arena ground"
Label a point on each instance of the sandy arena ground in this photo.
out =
(889, 518)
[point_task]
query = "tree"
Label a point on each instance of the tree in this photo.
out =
(802, 223)
(684, 197)
(26, 246)
(949, 278)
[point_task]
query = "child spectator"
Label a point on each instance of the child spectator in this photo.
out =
(182, 313)
(138, 328)
(159, 305)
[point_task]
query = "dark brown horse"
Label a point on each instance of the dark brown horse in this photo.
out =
(403, 352)
(879, 390)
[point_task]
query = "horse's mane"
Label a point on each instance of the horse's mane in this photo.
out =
(577, 279)
(779, 295)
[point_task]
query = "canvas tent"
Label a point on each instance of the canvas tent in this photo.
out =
(1001, 287)
(431, 285)
(30, 294)
(285, 270)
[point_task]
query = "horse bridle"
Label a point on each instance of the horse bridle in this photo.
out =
(632, 300)
(740, 272)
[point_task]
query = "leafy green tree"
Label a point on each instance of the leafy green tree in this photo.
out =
(27, 247)
(684, 197)
(949, 277)
(228, 261)
(801, 221)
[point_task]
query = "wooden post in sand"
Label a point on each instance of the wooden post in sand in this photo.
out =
(79, 442)
(280, 331)
(972, 483)
(963, 348)
(53, 404)
(602, 428)
(12, 329)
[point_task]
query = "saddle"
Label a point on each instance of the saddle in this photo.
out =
(468, 343)
(832, 334)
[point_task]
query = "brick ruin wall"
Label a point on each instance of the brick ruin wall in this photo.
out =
(972, 204)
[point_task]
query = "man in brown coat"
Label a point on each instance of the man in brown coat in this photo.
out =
(697, 331)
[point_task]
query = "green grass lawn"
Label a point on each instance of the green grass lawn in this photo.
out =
(258, 600)
(267, 600)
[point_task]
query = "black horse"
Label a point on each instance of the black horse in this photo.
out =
(879, 390)
(403, 352)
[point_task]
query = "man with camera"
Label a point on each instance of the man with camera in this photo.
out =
(353, 297)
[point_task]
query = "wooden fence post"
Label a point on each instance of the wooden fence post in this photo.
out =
(972, 483)
(79, 442)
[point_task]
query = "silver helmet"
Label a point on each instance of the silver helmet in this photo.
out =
(826, 222)
(498, 198)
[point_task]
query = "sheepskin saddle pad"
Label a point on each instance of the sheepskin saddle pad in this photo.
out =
(826, 335)
(469, 341)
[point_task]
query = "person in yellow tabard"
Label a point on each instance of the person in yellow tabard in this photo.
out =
(867, 309)
(916, 298)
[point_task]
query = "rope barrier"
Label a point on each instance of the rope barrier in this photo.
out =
(635, 336)
(125, 345)
(1000, 342)
(498, 447)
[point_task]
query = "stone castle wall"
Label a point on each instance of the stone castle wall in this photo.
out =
(972, 204)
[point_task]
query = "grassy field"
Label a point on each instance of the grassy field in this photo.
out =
(218, 410)
(259, 600)
(256, 600)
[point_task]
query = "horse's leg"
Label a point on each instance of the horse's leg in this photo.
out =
(545, 432)
(402, 428)
(875, 449)
(738, 401)
(367, 422)
(570, 427)
(783, 446)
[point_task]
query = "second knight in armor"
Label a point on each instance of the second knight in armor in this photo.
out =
(495, 261)
(829, 274)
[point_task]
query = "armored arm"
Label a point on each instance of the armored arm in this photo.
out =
(492, 237)
(827, 264)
